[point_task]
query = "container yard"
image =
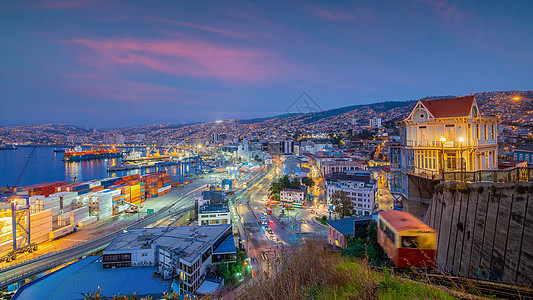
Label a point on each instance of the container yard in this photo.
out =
(58, 208)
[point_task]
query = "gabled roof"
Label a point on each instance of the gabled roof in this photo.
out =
(344, 226)
(451, 107)
(402, 221)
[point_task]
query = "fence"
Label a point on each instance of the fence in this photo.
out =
(507, 175)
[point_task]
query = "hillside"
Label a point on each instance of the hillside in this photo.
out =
(311, 272)
(514, 108)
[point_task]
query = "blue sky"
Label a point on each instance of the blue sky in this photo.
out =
(121, 63)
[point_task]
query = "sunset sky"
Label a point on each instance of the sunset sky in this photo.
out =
(110, 64)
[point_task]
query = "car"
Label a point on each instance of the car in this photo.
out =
(267, 228)
(271, 237)
(270, 231)
(304, 221)
(280, 243)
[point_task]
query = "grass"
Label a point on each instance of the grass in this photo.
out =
(321, 221)
(369, 284)
(310, 272)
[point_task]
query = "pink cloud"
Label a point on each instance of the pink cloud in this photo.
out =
(180, 57)
(193, 25)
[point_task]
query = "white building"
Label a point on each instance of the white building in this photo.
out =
(375, 123)
(181, 253)
(440, 136)
(214, 214)
(287, 147)
(359, 186)
(292, 195)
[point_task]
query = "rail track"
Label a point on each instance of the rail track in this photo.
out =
(472, 286)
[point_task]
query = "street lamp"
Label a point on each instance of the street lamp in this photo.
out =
(442, 141)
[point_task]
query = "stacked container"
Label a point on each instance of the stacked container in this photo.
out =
(101, 203)
(157, 184)
(67, 201)
(63, 219)
(60, 232)
(78, 214)
(80, 187)
(87, 221)
(40, 226)
(118, 205)
(44, 189)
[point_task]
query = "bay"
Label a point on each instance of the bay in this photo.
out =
(47, 166)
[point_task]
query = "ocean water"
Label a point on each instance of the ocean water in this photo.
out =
(47, 166)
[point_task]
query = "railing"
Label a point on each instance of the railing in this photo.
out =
(449, 144)
(431, 174)
(508, 175)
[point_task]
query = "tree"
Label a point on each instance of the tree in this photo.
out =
(308, 182)
(295, 184)
(275, 187)
(343, 204)
(285, 182)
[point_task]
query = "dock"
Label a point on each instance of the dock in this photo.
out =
(128, 167)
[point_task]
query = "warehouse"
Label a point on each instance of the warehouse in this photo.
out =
(177, 252)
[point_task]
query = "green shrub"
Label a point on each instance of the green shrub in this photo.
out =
(493, 189)
(451, 188)
(479, 189)
(463, 188)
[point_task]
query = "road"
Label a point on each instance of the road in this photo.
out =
(286, 229)
(98, 235)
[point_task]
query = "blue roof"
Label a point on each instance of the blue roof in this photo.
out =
(87, 275)
(344, 226)
(227, 246)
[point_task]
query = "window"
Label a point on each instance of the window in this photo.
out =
(409, 242)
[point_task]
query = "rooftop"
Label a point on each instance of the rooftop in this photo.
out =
(213, 208)
(351, 175)
(87, 275)
(293, 190)
(402, 221)
(190, 241)
(450, 107)
(344, 226)
(227, 246)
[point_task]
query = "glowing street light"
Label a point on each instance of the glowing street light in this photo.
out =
(461, 139)
(442, 140)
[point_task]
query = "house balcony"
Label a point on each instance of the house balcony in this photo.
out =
(450, 144)
(501, 176)
(426, 173)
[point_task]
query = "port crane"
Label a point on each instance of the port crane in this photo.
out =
(19, 212)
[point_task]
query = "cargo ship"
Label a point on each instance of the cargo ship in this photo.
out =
(77, 154)
(7, 147)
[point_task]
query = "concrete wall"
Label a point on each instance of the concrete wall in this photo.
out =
(485, 235)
